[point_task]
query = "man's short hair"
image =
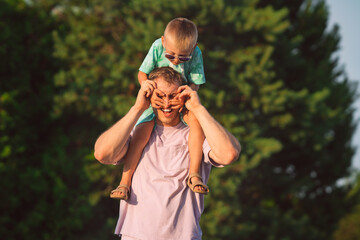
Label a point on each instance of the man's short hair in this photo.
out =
(183, 32)
(168, 74)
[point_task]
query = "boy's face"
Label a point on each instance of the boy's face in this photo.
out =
(179, 54)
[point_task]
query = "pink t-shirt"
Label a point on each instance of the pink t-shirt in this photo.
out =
(161, 206)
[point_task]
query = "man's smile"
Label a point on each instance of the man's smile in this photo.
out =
(167, 111)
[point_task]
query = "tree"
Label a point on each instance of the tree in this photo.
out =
(43, 184)
(110, 45)
(348, 226)
(271, 80)
(301, 179)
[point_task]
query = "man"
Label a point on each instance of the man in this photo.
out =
(161, 206)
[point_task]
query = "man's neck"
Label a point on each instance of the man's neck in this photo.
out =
(171, 124)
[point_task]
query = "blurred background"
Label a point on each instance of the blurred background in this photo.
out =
(68, 71)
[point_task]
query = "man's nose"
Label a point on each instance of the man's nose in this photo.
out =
(167, 102)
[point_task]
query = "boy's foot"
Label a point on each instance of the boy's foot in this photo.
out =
(196, 184)
(122, 192)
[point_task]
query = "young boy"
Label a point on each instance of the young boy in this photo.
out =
(177, 49)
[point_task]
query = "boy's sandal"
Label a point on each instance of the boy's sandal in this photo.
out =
(122, 192)
(193, 184)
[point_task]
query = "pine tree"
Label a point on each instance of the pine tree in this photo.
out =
(42, 182)
(299, 183)
(349, 225)
(271, 80)
(104, 47)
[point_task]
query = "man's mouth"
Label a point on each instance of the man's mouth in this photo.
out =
(167, 111)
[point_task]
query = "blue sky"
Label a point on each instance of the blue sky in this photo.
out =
(345, 13)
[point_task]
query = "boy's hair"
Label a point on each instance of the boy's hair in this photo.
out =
(183, 32)
(168, 74)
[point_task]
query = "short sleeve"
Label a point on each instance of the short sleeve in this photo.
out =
(150, 61)
(195, 71)
(207, 159)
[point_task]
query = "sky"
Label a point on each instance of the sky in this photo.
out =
(345, 13)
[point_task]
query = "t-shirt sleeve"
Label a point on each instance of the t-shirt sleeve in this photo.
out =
(196, 73)
(150, 61)
(207, 159)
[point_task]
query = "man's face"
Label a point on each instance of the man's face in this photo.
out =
(166, 116)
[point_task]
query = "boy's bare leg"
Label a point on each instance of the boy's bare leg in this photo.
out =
(137, 144)
(196, 140)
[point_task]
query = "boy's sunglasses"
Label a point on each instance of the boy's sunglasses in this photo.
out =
(181, 58)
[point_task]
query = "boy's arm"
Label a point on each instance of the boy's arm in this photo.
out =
(150, 61)
(111, 145)
(194, 86)
(225, 148)
(142, 77)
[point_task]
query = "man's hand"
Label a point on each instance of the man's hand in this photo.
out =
(156, 99)
(177, 104)
(189, 97)
(144, 95)
(225, 148)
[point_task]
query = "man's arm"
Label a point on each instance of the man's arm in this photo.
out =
(225, 148)
(111, 146)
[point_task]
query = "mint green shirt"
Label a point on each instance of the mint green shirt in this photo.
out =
(192, 70)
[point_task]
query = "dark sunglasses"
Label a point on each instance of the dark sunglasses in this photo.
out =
(181, 58)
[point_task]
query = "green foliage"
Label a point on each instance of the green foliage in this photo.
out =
(349, 226)
(271, 81)
(43, 186)
(316, 152)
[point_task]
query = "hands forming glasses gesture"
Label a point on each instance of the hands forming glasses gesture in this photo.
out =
(183, 96)
(159, 99)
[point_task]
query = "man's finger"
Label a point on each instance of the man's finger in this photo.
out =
(159, 92)
(175, 101)
(185, 94)
(157, 104)
(151, 90)
(177, 106)
(181, 88)
(155, 97)
(153, 84)
(148, 92)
